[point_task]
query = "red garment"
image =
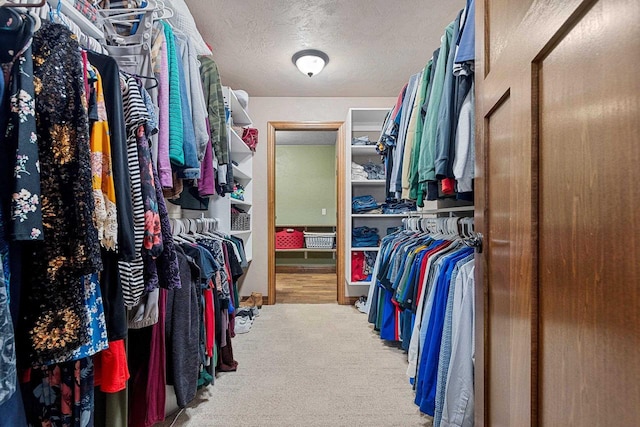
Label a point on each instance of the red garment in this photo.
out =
(448, 186)
(111, 368)
(423, 266)
(209, 320)
(357, 266)
(232, 316)
(85, 67)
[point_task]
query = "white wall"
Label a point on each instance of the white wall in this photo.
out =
(266, 109)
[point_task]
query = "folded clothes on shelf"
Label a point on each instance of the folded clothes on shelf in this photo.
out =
(362, 265)
(362, 140)
(369, 170)
(358, 173)
(393, 229)
(363, 237)
(362, 204)
(398, 207)
(374, 170)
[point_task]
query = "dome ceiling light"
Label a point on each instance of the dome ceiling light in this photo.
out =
(310, 61)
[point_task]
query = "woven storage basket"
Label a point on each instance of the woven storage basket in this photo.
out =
(240, 221)
(319, 240)
(289, 239)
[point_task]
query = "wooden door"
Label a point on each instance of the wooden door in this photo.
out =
(558, 201)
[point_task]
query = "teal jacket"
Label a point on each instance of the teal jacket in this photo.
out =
(427, 152)
(176, 125)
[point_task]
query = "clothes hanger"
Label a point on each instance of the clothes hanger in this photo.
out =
(138, 76)
(114, 13)
(16, 12)
(9, 4)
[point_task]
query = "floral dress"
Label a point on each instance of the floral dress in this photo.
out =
(60, 395)
(20, 138)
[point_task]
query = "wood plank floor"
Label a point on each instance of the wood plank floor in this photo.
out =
(307, 288)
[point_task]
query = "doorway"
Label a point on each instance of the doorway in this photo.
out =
(319, 273)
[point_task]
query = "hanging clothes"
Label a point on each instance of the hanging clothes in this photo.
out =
(420, 297)
(71, 248)
(104, 192)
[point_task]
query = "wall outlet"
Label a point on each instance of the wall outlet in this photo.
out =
(324, 211)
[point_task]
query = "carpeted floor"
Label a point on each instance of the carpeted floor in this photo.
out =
(309, 365)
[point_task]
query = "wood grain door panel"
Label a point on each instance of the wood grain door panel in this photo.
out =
(590, 222)
(509, 284)
(558, 200)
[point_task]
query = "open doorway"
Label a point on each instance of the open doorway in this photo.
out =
(307, 160)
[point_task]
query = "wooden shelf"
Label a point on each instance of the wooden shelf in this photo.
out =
(239, 232)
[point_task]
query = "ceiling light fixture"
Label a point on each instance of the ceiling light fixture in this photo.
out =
(310, 61)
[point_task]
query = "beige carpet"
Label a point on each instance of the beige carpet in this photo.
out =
(309, 365)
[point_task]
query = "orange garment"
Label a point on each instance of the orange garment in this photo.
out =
(104, 191)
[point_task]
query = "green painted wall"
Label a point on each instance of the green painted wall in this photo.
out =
(305, 184)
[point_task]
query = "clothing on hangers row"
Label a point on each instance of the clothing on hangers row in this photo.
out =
(427, 139)
(422, 297)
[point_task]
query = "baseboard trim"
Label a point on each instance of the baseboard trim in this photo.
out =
(350, 300)
(301, 269)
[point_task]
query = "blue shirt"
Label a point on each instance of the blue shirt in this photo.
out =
(428, 372)
(467, 39)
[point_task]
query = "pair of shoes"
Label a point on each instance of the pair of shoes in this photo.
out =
(361, 304)
(255, 300)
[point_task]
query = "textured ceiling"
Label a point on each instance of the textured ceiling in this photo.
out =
(373, 45)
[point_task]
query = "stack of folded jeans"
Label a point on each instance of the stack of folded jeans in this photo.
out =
(398, 207)
(374, 170)
(363, 237)
(358, 173)
(362, 204)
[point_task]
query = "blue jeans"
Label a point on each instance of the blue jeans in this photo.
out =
(363, 203)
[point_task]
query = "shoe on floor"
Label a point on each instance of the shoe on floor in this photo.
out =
(257, 298)
(243, 325)
(361, 304)
(249, 302)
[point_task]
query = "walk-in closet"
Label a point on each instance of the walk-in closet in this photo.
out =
(319, 213)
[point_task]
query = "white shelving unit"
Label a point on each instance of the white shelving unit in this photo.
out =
(220, 207)
(364, 122)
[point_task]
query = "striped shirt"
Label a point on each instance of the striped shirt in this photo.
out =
(136, 114)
